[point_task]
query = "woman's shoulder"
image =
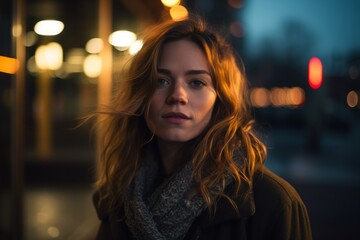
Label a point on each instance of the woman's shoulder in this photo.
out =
(272, 209)
(280, 211)
(276, 199)
(270, 187)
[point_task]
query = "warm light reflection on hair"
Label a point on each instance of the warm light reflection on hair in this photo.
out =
(178, 12)
(277, 97)
(352, 99)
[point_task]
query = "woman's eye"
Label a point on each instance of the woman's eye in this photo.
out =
(162, 82)
(197, 83)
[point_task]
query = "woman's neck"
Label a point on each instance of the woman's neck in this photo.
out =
(170, 153)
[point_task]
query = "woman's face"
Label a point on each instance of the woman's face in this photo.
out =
(183, 101)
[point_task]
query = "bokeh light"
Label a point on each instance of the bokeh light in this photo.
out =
(352, 99)
(122, 39)
(295, 96)
(74, 60)
(277, 97)
(53, 232)
(135, 47)
(315, 73)
(170, 3)
(30, 39)
(92, 66)
(94, 45)
(49, 56)
(260, 97)
(49, 27)
(236, 3)
(178, 12)
(236, 29)
(8, 65)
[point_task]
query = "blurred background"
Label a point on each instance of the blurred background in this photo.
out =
(303, 65)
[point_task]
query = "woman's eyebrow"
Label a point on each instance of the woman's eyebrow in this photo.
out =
(189, 72)
(193, 72)
(164, 71)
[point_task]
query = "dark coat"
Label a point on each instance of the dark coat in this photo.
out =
(274, 210)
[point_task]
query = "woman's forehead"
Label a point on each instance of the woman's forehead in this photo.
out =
(182, 54)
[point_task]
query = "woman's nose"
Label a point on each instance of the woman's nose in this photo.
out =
(177, 95)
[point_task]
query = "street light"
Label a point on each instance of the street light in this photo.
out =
(122, 39)
(48, 57)
(315, 73)
(49, 27)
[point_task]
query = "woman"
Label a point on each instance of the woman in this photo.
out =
(180, 159)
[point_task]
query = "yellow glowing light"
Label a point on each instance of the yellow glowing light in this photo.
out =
(260, 97)
(170, 3)
(178, 12)
(43, 217)
(122, 39)
(74, 60)
(295, 96)
(8, 65)
(94, 45)
(49, 56)
(278, 96)
(31, 65)
(49, 27)
(352, 99)
(135, 47)
(17, 30)
(30, 39)
(92, 66)
(53, 232)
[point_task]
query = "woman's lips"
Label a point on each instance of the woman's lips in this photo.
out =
(175, 117)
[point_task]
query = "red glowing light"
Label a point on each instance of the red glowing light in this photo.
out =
(315, 73)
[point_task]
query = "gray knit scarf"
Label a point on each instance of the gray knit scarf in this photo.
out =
(166, 212)
(163, 213)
